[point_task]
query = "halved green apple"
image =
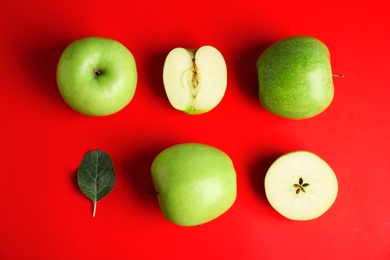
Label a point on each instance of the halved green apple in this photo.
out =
(195, 80)
(301, 186)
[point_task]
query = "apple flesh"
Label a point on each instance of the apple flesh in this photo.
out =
(97, 76)
(196, 183)
(195, 80)
(301, 186)
(295, 77)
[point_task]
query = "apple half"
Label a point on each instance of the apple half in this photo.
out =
(301, 186)
(195, 80)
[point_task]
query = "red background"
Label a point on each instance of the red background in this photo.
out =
(43, 214)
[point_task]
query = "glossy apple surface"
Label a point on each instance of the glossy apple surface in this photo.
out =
(295, 77)
(196, 183)
(97, 76)
(301, 186)
(195, 80)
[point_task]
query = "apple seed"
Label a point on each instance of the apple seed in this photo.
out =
(300, 186)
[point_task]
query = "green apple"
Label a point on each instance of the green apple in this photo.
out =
(195, 80)
(301, 186)
(97, 76)
(295, 77)
(195, 183)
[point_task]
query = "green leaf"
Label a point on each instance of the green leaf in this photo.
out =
(96, 176)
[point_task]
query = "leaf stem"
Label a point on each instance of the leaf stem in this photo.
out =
(94, 209)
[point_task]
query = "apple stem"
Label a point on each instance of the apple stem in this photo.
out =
(338, 75)
(150, 191)
(97, 72)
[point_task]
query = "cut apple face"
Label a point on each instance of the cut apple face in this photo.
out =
(301, 186)
(195, 80)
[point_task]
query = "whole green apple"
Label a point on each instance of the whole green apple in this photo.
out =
(295, 77)
(97, 76)
(196, 183)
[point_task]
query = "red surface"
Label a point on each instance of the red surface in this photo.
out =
(43, 215)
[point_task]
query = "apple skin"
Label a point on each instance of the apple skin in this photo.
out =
(97, 76)
(196, 183)
(295, 77)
